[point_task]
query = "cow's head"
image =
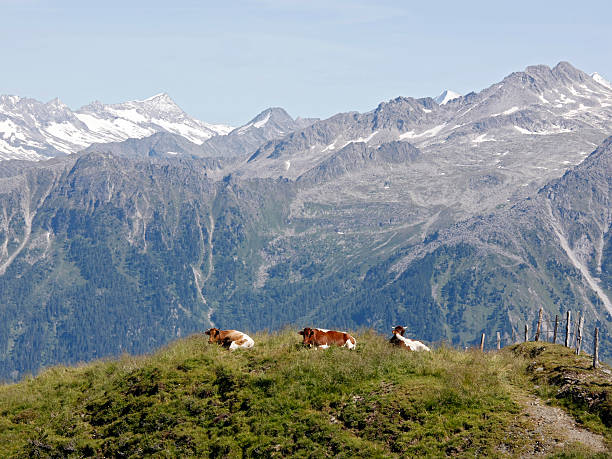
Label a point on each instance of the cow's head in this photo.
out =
(308, 334)
(213, 334)
(399, 330)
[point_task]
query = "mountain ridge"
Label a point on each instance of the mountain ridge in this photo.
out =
(33, 130)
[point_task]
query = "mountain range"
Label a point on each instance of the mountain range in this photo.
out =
(453, 217)
(30, 129)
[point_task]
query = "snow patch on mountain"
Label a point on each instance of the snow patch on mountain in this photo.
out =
(9, 151)
(259, 122)
(553, 131)
(483, 138)
(428, 133)
(262, 123)
(601, 80)
(446, 96)
(116, 129)
(362, 139)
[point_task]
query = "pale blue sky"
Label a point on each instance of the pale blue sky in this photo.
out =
(226, 61)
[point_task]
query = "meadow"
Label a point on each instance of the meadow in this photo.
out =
(280, 399)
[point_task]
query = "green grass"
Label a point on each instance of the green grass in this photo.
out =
(275, 400)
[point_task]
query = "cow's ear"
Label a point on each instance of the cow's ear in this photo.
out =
(207, 332)
(301, 332)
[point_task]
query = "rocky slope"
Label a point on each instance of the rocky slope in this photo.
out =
(548, 251)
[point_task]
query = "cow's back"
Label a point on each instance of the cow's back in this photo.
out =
(337, 338)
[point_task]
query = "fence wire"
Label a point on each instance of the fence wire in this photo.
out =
(547, 330)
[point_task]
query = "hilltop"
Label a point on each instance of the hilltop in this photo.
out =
(280, 399)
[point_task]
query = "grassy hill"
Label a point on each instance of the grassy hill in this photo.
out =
(280, 399)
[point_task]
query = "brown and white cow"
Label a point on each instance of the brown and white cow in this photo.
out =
(232, 339)
(399, 340)
(322, 338)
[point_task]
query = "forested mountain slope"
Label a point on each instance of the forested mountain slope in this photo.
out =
(104, 254)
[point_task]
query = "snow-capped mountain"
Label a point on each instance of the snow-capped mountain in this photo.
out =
(141, 118)
(272, 123)
(30, 129)
(446, 96)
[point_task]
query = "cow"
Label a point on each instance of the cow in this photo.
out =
(322, 338)
(398, 339)
(231, 339)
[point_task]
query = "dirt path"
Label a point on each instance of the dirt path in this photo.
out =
(551, 429)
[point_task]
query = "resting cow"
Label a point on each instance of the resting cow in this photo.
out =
(231, 339)
(319, 337)
(399, 340)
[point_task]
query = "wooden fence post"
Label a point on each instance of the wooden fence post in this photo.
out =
(526, 332)
(596, 349)
(537, 334)
(579, 339)
(556, 325)
(482, 342)
(498, 341)
(568, 328)
(573, 340)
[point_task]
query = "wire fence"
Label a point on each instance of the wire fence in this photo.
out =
(580, 334)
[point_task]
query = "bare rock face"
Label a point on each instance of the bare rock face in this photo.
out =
(356, 157)
(158, 144)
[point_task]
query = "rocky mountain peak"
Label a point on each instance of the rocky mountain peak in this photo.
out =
(566, 72)
(161, 102)
(159, 105)
(162, 97)
(542, 76)
(274, 118)
(275, 114)
(9, 100)
(57, 103)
